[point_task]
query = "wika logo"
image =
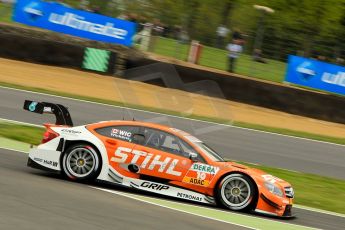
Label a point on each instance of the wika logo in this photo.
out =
(34, 10)
(306, 70)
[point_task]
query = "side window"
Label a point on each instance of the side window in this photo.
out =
(159, 140)
(167, 142)
(122, 132)
(170, 142)
(187, 149)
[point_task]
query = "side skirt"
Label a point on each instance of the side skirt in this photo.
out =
(158, 188)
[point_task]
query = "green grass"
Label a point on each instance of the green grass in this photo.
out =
(5, 12)
(202, 118)
(23, 133)
(217, 58)
(311, 190)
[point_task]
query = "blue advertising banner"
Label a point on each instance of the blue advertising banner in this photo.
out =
(316, 74)
(60, 18)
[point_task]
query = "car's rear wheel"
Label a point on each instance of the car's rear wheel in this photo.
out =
(237, 192)
(81, 162)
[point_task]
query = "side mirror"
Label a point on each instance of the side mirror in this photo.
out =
(193, 156)
(138, 138)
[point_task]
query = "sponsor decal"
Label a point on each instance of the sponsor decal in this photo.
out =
(79, 23)
(200, 174)
(189, 197)
(122, 134)
(316, 74)
(52, 163)
(196, 181)
(38, 159)
(32, 106)
(306, 70)
(154, 186)
(204, 168)
(69, 131)
(147, 160)
(47, 110)
(335, 79)
(60, 18)
(34, 10)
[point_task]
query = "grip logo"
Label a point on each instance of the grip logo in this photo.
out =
(154, 186)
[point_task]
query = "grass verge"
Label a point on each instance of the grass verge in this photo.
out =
(330, 193)
(212, 57)
(23, 133)
(202, 118)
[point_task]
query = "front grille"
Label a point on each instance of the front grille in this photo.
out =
(289, 192)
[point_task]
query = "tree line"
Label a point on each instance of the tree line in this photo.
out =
(311, 28)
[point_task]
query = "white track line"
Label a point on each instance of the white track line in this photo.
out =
(162, 114)
(206, 208)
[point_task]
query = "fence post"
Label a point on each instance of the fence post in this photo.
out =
(194, 52)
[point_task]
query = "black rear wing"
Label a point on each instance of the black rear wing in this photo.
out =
(61, 112)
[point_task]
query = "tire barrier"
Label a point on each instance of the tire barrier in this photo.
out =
(40, 51)
(46, 47)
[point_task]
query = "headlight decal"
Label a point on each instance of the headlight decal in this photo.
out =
(274, 189)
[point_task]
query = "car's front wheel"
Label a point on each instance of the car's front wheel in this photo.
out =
(236, 192)
(81, 162)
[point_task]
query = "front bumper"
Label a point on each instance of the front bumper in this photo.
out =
(288, 211)
(273, 206)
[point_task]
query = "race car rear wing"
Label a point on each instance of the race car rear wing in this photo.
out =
(61, 112)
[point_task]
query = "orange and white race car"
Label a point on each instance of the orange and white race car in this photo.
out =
(154, 158)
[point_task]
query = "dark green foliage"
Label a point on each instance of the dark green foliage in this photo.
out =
(304, 27)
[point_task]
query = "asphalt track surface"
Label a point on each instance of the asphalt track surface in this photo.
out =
(233, 143)
(33, 199)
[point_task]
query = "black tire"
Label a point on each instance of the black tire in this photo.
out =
(237, 192)
(81, 162)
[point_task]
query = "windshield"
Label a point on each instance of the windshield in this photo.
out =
(213, 155)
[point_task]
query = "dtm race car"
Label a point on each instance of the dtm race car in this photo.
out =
(154, 158)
